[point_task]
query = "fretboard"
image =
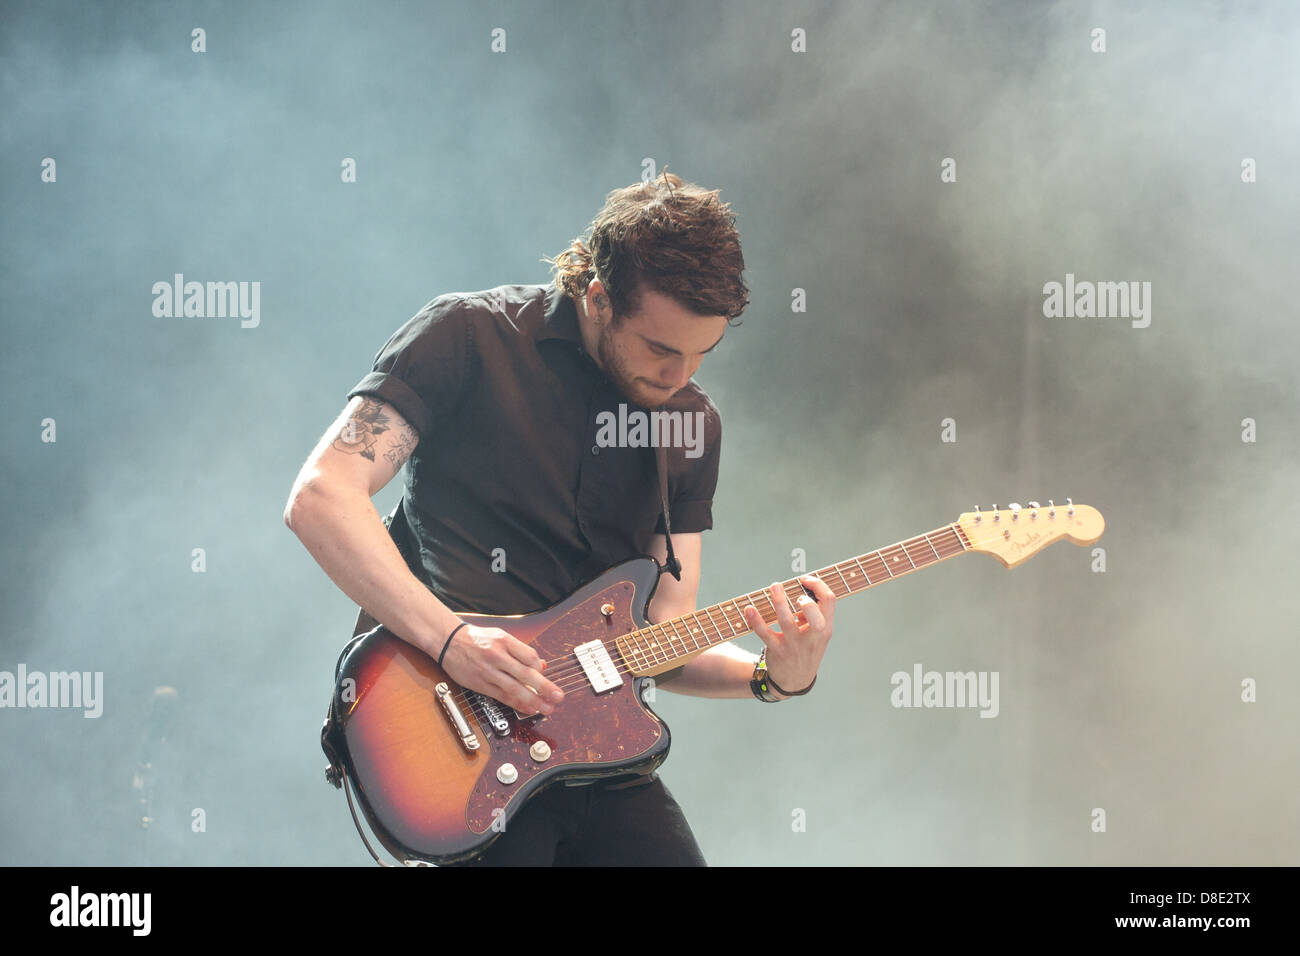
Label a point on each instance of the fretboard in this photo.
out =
(660, 647)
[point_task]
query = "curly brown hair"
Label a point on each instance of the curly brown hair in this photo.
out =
(668, 235)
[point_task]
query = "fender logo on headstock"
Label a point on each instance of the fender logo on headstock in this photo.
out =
(1028, 541)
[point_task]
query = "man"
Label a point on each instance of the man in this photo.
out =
(512, 501)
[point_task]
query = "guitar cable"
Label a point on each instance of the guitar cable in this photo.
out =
(347, 789)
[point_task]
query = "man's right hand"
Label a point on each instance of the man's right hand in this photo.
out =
(491, 661)
(330, 510)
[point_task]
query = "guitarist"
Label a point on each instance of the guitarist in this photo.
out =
(511, 501)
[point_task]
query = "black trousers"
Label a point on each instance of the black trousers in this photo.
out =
(595, 825)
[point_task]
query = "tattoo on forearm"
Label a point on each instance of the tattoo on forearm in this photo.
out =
(362, 432)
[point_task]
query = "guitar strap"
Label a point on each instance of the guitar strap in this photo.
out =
(673, 566)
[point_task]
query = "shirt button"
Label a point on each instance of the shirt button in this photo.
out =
(595, 450)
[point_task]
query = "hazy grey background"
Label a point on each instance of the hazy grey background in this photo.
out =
(1119, 690)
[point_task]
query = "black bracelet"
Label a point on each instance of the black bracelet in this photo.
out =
(789, 693)
(449, 637)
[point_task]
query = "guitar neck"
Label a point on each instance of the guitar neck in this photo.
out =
(663, 646)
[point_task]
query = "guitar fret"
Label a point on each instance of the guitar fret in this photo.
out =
(726, 610)
(770, 603)
(638, 647)
(863, 570)
(688, 635)
(668, 639)
(656, 648)
(627, 646)
(687, 642)
(709, 613)
(931, 544)
(695, 615)
(682, 641)
(697, 633)
(740, 612)
(836, 569)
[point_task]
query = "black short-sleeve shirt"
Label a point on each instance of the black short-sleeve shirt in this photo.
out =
(515, 494)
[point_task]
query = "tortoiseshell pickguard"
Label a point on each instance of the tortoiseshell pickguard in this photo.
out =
(586, 730)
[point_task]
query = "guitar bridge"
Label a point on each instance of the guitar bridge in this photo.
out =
(468, 739)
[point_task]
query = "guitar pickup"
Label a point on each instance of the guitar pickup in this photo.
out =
(596, 663)
(468, 739)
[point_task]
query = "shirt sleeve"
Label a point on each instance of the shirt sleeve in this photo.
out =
(424, 369)
(690, 490)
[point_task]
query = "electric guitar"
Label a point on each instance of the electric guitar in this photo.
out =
(440, 770)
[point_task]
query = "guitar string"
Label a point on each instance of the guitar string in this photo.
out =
(573, 669)
(671, 645)
(572, 676)
(575, 678)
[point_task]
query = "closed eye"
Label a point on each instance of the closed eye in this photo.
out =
(660, 349)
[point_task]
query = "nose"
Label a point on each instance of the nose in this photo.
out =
(677, 374)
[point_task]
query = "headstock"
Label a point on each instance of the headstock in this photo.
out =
(1017, 533)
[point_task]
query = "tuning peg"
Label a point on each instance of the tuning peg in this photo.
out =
(1034, 514)
(1015, 510)
(996, 515)
(1052, 513)
(978, 517)
(1070, 502)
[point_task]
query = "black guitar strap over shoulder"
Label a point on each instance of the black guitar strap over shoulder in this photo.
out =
(673, 566)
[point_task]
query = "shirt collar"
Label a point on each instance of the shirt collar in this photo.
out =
(561, 319)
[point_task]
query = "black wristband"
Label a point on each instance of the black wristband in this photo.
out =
(789, 693)
(449, 637)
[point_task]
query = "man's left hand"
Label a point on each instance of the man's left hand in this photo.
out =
(794, 654)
